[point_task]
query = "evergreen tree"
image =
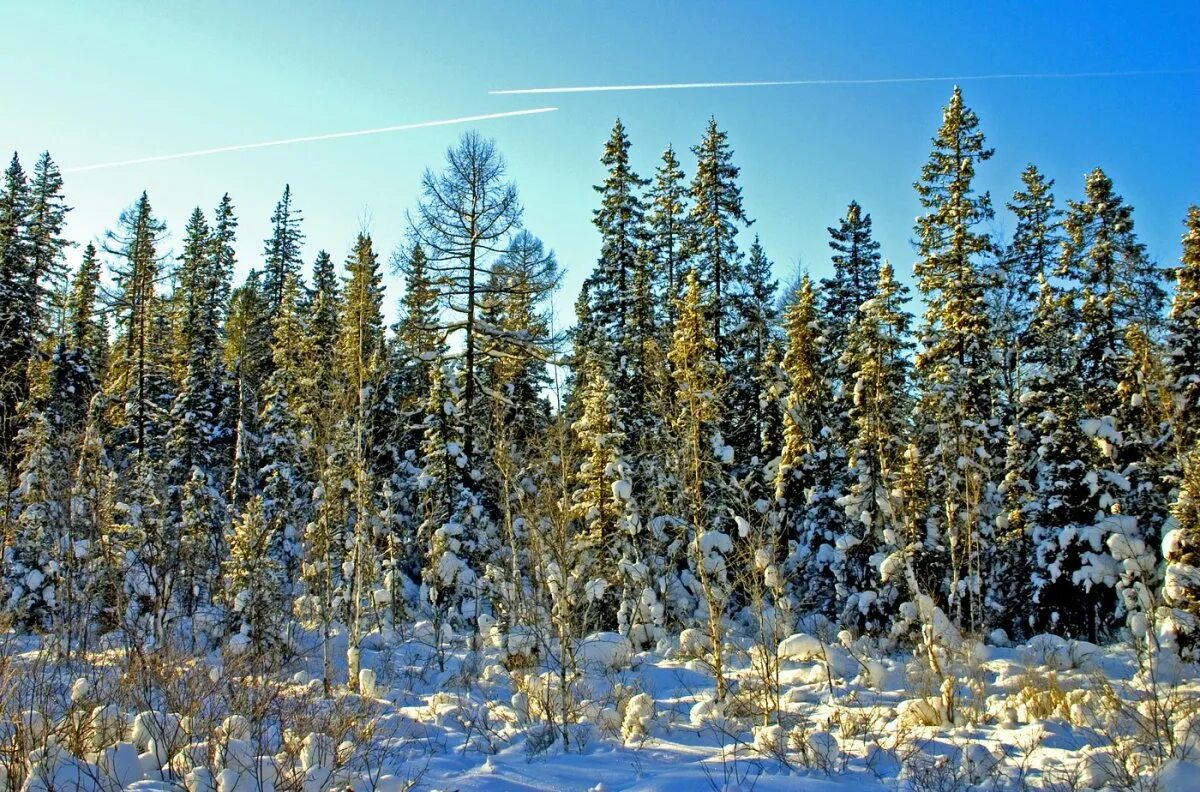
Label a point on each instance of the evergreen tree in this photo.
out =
(620, 221)
(1183, 337)
(47, 215)
(714, 216)
(699, 459)
(1045, 533)
(876, 364)
(806, 488)
(751, 340)
(253, 581)
(17, 311)
(359, 354)
(667, 230)
(1180, 612)
(856, 263)
(1031, 255)
(283, 481)
(33, 561)
(281, 251)
(1120, 289)
(87, 327)
(954, 409)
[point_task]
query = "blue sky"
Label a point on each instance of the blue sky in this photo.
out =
(97, 82)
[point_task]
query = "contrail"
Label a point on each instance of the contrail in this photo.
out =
(871, 81)
(310, 139)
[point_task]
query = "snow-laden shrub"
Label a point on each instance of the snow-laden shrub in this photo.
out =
(639, 713)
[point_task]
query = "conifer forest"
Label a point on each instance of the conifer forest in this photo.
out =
(929, 523)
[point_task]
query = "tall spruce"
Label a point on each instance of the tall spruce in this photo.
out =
(957, 437)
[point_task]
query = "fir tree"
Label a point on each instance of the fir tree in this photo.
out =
(751, 340)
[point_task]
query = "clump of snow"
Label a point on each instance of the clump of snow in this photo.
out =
(604, 650)
(801, 646)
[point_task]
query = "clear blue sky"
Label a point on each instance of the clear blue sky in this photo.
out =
(96, 82)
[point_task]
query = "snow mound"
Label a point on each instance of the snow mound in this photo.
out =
(604, 650)
(801, 646)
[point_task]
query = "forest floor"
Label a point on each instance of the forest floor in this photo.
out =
(1049, 714)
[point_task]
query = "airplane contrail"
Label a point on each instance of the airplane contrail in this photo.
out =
(869, 81)
(309, 139)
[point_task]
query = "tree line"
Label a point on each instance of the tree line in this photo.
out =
(265, 466)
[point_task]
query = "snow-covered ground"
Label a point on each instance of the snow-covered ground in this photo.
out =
(1050, 714)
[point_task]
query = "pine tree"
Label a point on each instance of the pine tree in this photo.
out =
(667, 230)
(281, 250)
(954, 409)
(876, 364)
(714, 216)
(1183, 337)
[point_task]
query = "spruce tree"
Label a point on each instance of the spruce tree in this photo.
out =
(619, 220)
(1180, 611)
(751, 341)
(856, 263)
(281, 250)
(17, 311)
(667, 230)
(714, 217)
(47, 215)
(1183, 337)
(954, 369)
(1119, 289)
(876, 364)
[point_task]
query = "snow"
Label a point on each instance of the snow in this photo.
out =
(852, 717)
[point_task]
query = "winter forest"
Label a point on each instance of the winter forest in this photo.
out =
(928, 529)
